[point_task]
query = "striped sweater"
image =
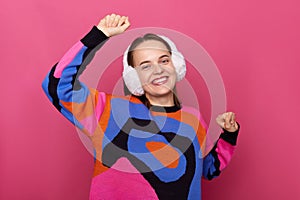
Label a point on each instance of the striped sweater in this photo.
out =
(140, 153)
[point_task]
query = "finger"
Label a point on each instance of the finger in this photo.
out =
(127, 21)
(232, 120)
(227, 119)
(111, 20)
(116, 20)
(107, 18)
(220, 120)
(121, 20)
(126, 24)
(102, 22)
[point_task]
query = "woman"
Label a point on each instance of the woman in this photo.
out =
(146, 145)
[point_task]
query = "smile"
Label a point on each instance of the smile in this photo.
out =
(159, 81)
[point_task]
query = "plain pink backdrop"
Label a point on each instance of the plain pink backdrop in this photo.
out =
(255, 45)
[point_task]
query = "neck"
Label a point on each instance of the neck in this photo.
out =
(166, 100)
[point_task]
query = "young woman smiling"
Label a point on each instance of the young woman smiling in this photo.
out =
(146, 144)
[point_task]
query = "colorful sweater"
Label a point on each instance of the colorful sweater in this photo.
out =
(140, 153)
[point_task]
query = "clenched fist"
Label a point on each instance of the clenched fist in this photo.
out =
(113, 24)
(227, 121)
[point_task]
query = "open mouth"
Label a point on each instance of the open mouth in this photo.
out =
(159, 81)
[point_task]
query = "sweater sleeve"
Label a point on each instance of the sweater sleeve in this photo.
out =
(221, 154)
(81, 105)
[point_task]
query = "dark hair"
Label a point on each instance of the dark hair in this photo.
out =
(134, 44)
(140, 40)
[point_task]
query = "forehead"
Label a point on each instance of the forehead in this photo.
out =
(152, 44)
(149, 50)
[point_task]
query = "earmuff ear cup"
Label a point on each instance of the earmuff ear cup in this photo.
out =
(179, 64)
(131, 78)
(132, 81)
(177, 59)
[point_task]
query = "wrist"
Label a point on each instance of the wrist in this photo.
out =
(94, 38)
(103, 31)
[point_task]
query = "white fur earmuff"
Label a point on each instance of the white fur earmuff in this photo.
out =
(131, 77)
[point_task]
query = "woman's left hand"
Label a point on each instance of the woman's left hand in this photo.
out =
(227, 121)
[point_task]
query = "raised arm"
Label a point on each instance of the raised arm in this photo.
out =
(222, 152)
(81, 105)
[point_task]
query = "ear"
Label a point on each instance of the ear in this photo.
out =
(132, 80)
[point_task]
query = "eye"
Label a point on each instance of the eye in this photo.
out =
(165, 61)
(145, 67)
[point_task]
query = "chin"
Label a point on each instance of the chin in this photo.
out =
(158, 91)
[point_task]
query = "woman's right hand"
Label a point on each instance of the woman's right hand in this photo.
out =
(113, 24)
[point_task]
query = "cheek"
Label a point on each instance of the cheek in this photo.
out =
(144, 78)
(172, 73)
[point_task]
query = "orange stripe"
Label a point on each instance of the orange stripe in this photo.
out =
(88, 106)
(166, 154)
(189, 119)
(97, 139)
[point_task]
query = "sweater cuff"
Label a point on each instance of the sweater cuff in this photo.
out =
(230, 137)
(93, 38)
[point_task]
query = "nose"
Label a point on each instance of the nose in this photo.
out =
(157, 69)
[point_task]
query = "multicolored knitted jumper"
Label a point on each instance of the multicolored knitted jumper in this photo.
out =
(140, 153)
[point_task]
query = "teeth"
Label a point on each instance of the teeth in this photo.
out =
(159, 80)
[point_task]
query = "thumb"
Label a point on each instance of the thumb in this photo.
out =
(125, 25)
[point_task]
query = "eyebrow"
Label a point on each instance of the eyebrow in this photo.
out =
(147, 61)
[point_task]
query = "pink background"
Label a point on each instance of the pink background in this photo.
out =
(254, 44)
